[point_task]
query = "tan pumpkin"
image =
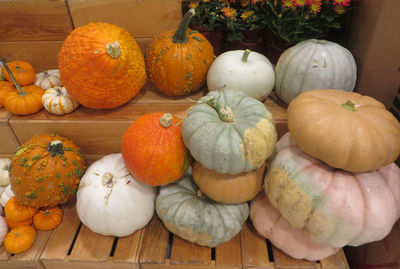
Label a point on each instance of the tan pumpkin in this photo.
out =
(48, 79)
(226, 188)
(57, 101)
(344, 129)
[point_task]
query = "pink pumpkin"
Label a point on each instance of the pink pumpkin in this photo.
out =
(294, 242)
(333, 207)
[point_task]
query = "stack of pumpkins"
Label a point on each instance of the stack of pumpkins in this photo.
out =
(331, 181)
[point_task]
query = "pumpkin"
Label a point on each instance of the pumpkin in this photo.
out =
(269, 223)
(47, 218)
(17, 212)
(153, 149)
(177, 61)
(243, 70)
(345, 130)
(20, 239)
(190, 215)
(5, 88)
(112, 202)
(48, 79)
(6, 195)
(101, 65)
(333, 207)
(4, 167)
(226, 188)
(2, 190)
(57, 101)
(27, 100)
(13, 224)
(314, 64)
(46, 171)
(229, 132)
(3, 229)
(22, 71)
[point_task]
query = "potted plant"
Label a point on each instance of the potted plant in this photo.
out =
(292, 21)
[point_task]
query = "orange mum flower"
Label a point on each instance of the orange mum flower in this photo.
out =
(228, 12)
(338, 9)
(300, 3)
(287, 3)
(244, 3)
(341, 3)
(256, 1)
(246, 14)
(315, 6)
(193, 4)
(206, 1)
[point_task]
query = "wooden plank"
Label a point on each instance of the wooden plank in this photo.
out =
(155, 244)
(41, 54)
(56, 250)
(8, 140)
(184, 252)
(141, 18)
(283, 261)
(26, 20)
(337, 261)
(254, 248)
(128, 249)
(229, 253)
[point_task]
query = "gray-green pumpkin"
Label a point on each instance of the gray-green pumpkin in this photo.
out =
(229, 132)
(190, 215)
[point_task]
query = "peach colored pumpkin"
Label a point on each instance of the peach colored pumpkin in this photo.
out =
(294, 242)
(332, 206)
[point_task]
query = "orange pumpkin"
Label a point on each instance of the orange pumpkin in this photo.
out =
(5, 88)
(153, 149)
(13, 224)
(20, 239)
(177, 61)
(17, 212)
(22, 71)
(101, 65)
(47, 219)
(46, 171)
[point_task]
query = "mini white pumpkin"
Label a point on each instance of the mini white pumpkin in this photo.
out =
(314, 64)
(3, 229)
(4, 166)
(6, 195)
(242, 70)
(48, 79)
(57, 101)
(2, 189)
(110, 201)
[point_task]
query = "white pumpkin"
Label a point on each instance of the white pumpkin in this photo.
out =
(314, 64)
(249, 72)
(57, 101)
(6, 195)
(48, 79)
(3, 229)
(4, 166)
(2, 189)
(110, 201)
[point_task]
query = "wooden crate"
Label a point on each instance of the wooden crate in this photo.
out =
(8, 140)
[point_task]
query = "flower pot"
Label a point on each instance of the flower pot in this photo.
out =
(275, 46)
(252, 40)
(217, 39)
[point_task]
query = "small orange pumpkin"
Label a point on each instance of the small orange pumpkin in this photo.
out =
(22, 71)
(20, 239)
(153, 149)
(17, 212)
(13, 224)
(5, 88)
(47, 219)
(177, 61)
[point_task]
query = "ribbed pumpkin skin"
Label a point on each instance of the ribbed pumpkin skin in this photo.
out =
(269, 223)
(198, 219)
(5, 88)
(230, 147)
(178, 69)
(58, 101)
(314, 64)
(22, 71)
(40, 180)
(93, 77)
(358, 141)
(27, 104)
(333, 207)
(154, 154)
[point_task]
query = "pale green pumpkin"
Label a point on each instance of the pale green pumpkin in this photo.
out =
(190, 215)
(229, 132)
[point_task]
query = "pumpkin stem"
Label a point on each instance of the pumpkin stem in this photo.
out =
(113, 49)
(59, 92)
(45, 74)
(19, 88)
(349, 105)
(47, 212)
(246, 55)
(166, 120)
(225, 113)
(180, 34)
(55, 147)
(107, 179)
(200, 194)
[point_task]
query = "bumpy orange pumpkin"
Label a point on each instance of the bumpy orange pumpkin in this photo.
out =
(22, 71)
(20, 239)
(46, 171)
(177, 62)
(101, 65)
(153, 149)
(47, 219)
(17, 212)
